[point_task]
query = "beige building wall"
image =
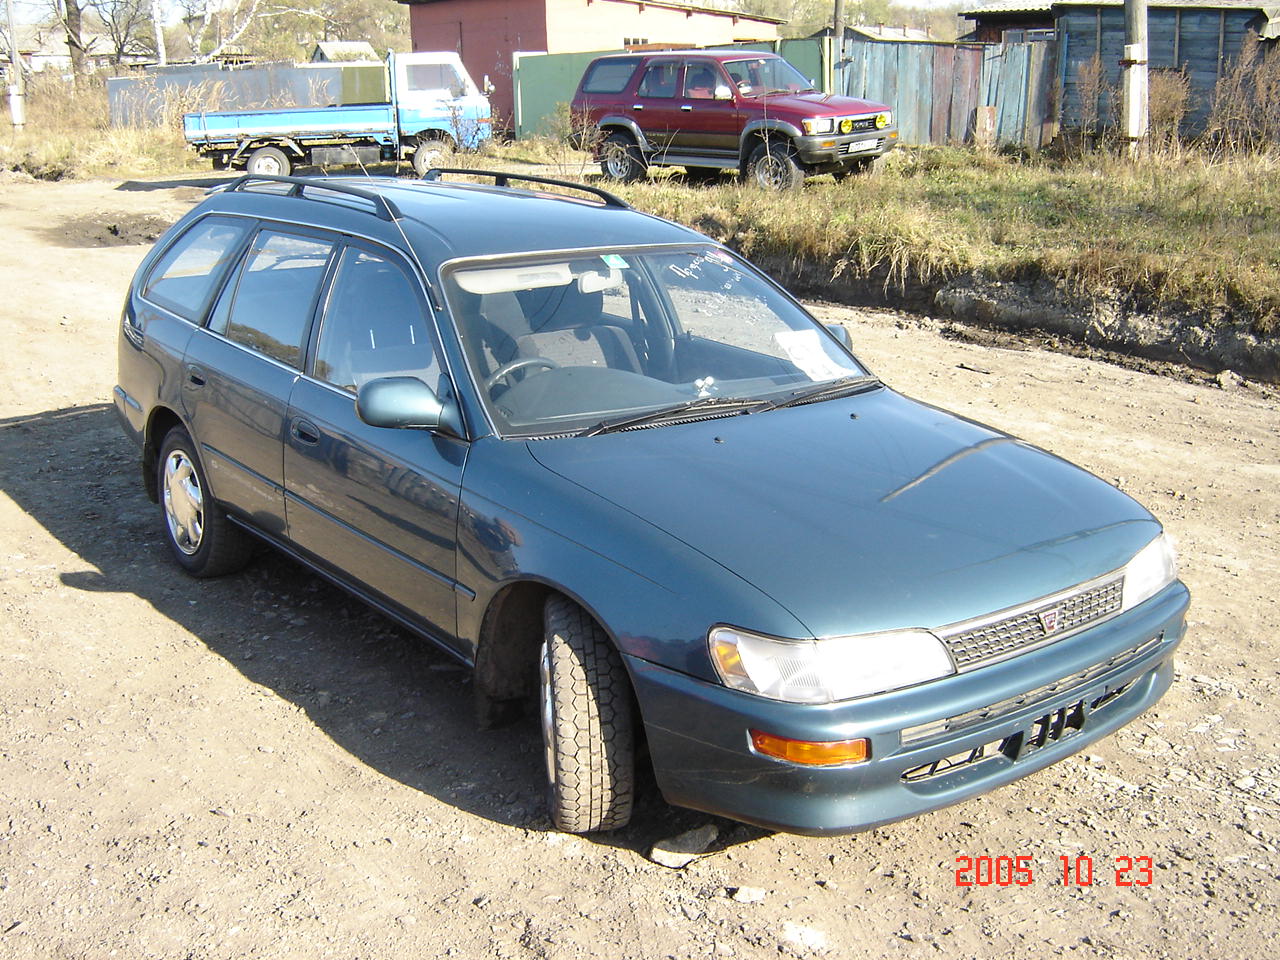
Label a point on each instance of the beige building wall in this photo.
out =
(583, 25)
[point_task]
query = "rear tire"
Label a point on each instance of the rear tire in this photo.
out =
(621, 159)
(585, 701)
(773, 166)
(201, 538)
(268, 162)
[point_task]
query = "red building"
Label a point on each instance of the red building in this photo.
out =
(486, 32)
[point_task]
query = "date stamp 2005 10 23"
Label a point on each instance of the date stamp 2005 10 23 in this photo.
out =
(1072, 872)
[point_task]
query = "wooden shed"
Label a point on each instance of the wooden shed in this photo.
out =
(1202, 38)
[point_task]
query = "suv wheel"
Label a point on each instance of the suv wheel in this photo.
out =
(585, 703)
(621, 159)
(203, 541)
(773, 166)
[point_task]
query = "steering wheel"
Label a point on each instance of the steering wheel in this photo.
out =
(512, 366)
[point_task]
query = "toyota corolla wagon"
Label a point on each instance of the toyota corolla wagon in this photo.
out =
(629, 480)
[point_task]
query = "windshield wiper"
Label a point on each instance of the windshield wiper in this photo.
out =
(674, 411)
(822, 391)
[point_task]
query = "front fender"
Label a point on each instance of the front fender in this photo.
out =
(655, 595)
(764, 127)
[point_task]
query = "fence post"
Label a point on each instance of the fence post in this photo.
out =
(1134, 65)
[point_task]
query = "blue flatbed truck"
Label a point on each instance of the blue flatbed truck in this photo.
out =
(434, 107)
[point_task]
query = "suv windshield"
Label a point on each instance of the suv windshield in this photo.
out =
(570, 343)
(761, 75)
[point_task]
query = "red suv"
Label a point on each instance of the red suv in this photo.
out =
(708, 111)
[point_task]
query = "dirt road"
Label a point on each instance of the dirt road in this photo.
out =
(259, 767)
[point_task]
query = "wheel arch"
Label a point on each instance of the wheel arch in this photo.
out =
(618, 124)
(511, 634)
(160, 421)
(761, 131)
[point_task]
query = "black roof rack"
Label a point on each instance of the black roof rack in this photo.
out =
(501, 179)
(384, 208)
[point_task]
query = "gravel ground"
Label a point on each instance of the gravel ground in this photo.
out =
(260, 767)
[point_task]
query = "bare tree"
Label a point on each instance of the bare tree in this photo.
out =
(69, 15)
(127, 24)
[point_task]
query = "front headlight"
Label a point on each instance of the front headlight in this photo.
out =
(1152, 569)
(823, 671)
(814, 125)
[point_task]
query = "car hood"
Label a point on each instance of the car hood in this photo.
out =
(872, 512)
(818, 104)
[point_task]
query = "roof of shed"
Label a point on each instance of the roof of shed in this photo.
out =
(1270, 30)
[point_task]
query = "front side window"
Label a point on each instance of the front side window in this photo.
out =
(186, 275)
(269, 306)
(440, 79)
(700, 80)
(559, 345)
(374, 325)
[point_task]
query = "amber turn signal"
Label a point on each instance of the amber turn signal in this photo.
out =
(820, 753)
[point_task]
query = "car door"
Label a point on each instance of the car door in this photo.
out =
(706, 125)
(656, 106)
(378, 506)
(240, 368)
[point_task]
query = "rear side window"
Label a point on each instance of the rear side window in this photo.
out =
(609, 76)
(187, 274)
(659, 80)
(275, 295)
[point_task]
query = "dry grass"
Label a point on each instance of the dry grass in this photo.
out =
(67, 134)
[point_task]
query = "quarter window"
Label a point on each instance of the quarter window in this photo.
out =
(275, 295)
(609, 76)
(186, 275)
(374, 325)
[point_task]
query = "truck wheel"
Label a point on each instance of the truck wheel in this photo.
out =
(268, 162)
(773, 166)
(431, 153)
(586, 722)
(203, 541)
(621, 159)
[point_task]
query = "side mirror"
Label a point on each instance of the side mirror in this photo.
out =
(841, 333)
(406, 402)
(723, 93)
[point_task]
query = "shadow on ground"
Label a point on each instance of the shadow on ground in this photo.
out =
(391, 699)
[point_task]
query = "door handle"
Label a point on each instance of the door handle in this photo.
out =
(637, 106)
(195, 375)
(304, 431)
(685, 107)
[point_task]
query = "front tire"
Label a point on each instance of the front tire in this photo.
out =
(587, 730)
(773, 165)
(621, 159)
(431, 153)
(268, 162)
(201, 538)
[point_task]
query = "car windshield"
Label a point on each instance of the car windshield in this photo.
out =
(761, 75)
(569, 344)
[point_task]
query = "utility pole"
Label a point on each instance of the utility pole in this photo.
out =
(837, 48)
(1134, 79)
(17, 92)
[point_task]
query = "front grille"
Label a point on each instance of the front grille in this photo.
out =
(864, 123)
(973, 645)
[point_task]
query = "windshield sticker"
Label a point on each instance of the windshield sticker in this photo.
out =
(804, 348)
(614, 260)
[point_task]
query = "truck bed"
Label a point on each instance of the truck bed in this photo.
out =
(377, 121)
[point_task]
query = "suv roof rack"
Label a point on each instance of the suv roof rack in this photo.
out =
(501, 179)
(382, 207)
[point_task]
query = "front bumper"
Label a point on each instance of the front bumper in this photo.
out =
(699, 738)
(838, 150)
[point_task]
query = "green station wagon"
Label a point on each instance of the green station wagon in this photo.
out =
(624, 476)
